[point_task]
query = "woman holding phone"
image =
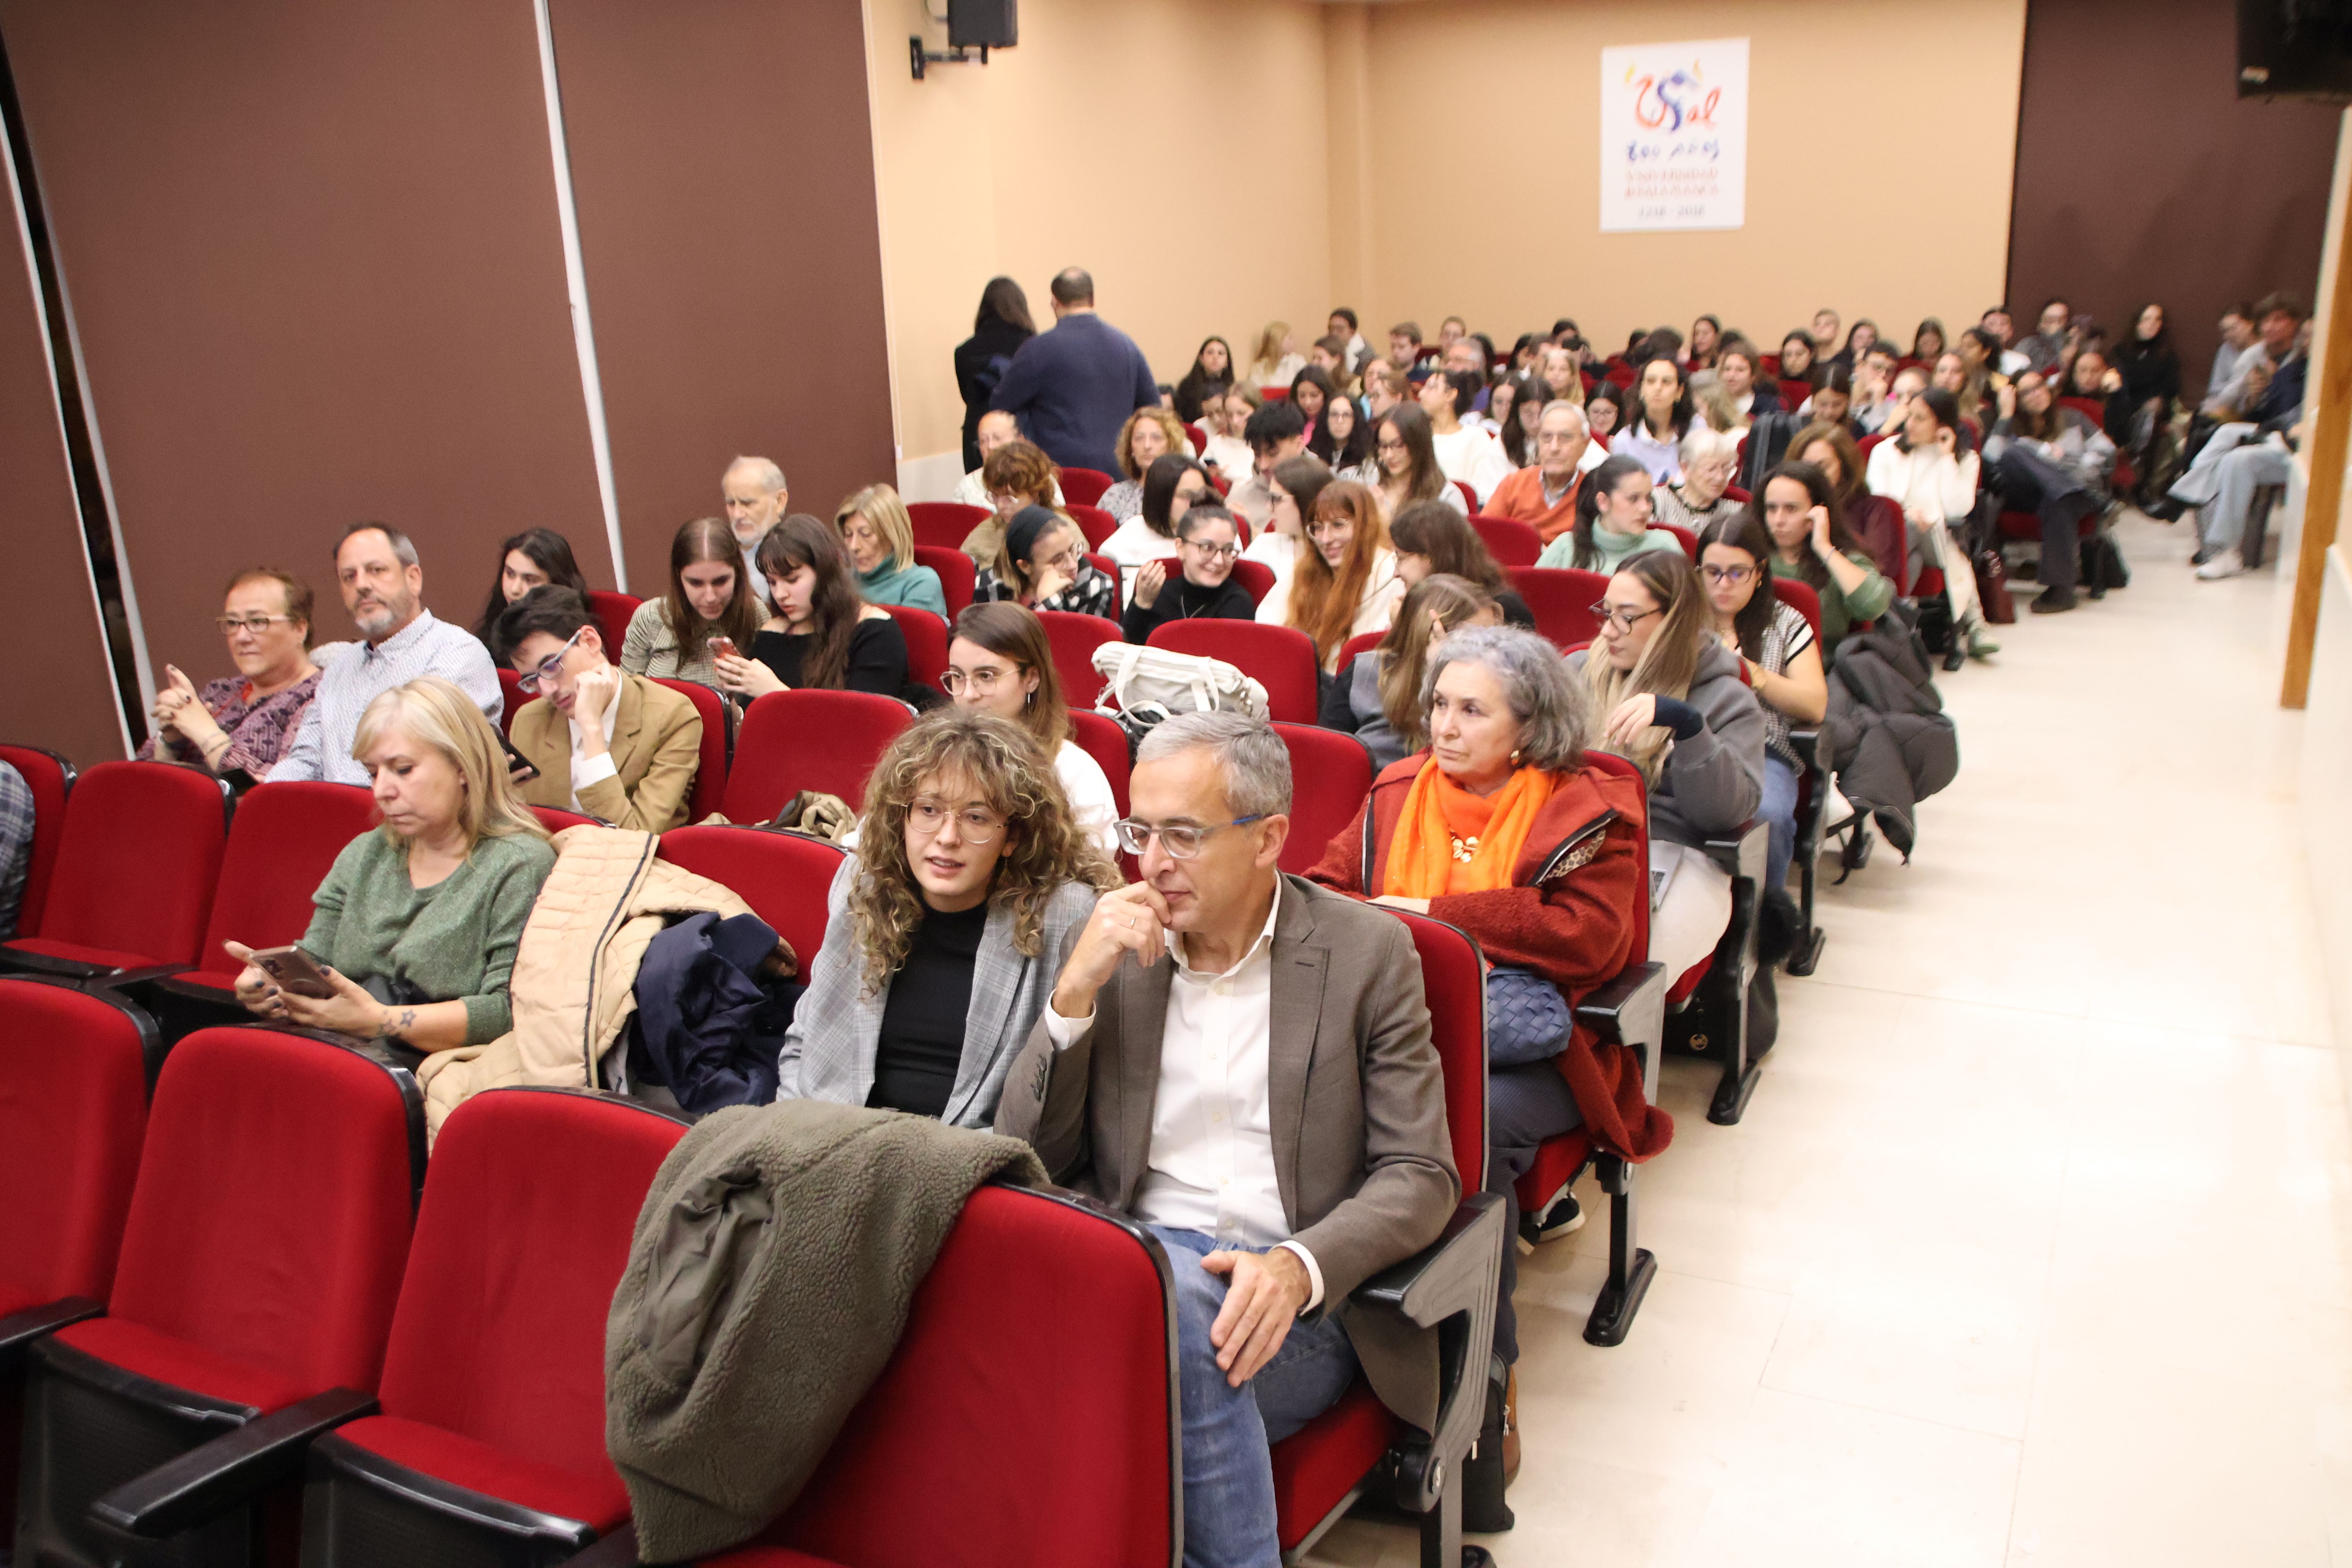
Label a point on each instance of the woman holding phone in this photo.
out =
(708, 610)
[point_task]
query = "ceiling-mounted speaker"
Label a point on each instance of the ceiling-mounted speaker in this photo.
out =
(2295, 48)
(982, 24)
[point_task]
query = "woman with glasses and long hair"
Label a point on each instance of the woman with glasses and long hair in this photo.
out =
(708, 609)
(1345, 584)
(1404, 447)
(1342, 438)
(1377, 697)
(821, 637)
(1774, 643)
(1212, 366)
(1000, 661)
(1208, 543)
(531, 559)
(239, 725)
(1043, 565)
(998, 330)
(947, 929)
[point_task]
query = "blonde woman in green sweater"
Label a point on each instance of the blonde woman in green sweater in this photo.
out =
(417, 922)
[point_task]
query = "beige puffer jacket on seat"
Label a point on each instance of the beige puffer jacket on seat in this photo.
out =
(576, 971)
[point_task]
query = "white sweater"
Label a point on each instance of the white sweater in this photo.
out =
(1474, 457)
(1930, 486)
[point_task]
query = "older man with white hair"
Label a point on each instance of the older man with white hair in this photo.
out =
(755, 495)
(1543, 494)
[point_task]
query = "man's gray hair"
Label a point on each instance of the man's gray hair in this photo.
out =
(1555, 714)
(1255, 763)
(402, 549)
(1562, 405)
(771, 478)
(1702, 444)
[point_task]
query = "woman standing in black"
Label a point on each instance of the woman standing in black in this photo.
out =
(1001, 328)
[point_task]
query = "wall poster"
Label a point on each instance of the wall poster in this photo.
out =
(1674, 135)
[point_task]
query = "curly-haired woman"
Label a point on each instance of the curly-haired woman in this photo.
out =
(947, 929)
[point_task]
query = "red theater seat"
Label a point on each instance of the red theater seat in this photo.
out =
(1075, 637)
(513, 698)
(1084, 487)
(612, 612)
(51, 778)
(1686, 537)
(1097, 524)
(1330, 774)
(783, 875)
(927, 643)
(795, 740)
(944, 525)
(1561, 600)
(718, 744)
(957, 576)
(1106, 742)
(1277, 658)
(1510, 541)
(555, 819)
(134, 878)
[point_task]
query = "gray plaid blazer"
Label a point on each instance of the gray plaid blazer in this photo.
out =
(828, 1053)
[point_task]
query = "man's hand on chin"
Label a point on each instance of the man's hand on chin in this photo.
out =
(1263, 1297)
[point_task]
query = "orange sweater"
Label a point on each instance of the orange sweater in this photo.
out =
(1522, 497)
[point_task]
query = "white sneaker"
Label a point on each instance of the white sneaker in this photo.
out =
(2229, 563)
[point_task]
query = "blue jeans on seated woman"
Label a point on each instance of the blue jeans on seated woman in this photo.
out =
(1779, 813)
(1229, 1518)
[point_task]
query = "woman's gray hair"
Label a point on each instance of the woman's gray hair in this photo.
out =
(1701, 443)
(1255, 763)
(1554, 713)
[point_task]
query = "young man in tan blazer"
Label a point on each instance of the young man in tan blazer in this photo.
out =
(1259, 1088)
(607, 742)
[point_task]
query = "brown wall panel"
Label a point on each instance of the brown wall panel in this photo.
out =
(59, 691)
(2141, 176)
(732, 250)
(313, 252)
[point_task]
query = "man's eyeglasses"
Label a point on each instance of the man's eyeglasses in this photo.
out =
(1623, 617)
(1729, 575)
(973, 824)
(984, 678)
(232, 624)
(548, 668)
(1182, 840)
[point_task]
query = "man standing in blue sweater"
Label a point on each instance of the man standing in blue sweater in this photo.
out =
(1073, 387)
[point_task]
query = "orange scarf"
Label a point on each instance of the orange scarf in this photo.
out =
(1451, 841)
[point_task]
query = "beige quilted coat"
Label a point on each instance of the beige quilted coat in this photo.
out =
(576, 970)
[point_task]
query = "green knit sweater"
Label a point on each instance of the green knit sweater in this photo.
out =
(455, 941)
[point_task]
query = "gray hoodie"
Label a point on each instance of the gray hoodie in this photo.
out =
(1715, 781)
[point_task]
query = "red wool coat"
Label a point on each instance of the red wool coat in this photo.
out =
(1576, 929)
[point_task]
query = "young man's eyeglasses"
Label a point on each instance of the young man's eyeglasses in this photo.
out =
(1625, 617)
(548, 668)
(975, 826)
(1182, 840)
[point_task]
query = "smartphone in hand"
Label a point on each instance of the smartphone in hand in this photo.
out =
(721, 647)
(520, 768)
(295, 971)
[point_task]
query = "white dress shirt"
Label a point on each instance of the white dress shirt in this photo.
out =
(1211, 1164)
(587, 770)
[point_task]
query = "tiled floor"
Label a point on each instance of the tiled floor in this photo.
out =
(2035, 1246)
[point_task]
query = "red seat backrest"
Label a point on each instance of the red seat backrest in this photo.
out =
(1453, 983)
(510, 689)
(1278, 658)
(1097, 524)
(1255, 577)
(522, 1237)
(1080, 1470)
(1083, 486)
(1793, 395)
(783, 875)
(944, 525)
(1561, 600)
(717, 740)
(957, 573)
(139, 858)
(1363, 642)
(613, 612)
(72, 1115)
(822, 741)
(927, 643)
(1106, 742)
(271, 1218)
(1075, 638)
(1867, 442)
(1686, 537)
(1510, 541)
(1609, 763)
(1330, 774)
(1110, 568)
(1199, 438)
(1807, 602)
(281, 846)
(1736, 493)
(1275, 393)
(1769, 365)
(51, 780)
(2090, 409)
(555, 819)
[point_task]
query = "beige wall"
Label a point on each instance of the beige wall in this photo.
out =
(1358, 165)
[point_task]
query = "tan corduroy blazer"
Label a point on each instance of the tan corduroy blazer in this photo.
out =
(656, 744)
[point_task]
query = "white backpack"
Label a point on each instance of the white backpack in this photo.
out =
(1153, 683)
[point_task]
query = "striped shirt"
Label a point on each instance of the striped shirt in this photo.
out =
(323, 747)
(17, 820)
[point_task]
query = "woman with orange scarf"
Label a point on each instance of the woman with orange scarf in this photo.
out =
(1500, 829)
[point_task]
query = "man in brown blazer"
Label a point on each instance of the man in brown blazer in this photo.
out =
(616, 745)
(1258, 1086)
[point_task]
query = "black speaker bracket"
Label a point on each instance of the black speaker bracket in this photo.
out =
(918, 57)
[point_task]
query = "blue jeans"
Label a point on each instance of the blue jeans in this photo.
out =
(1228, 1472)
(1779, 813)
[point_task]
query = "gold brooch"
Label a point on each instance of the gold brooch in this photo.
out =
(1465, 849)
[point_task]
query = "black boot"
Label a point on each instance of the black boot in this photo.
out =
(2166, 509)
(1484, 1512)
(1779, 926)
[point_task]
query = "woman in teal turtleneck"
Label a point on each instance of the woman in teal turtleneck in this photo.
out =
(880, 538)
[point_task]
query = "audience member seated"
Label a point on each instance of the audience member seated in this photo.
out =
(1278, 357)
(1000, 661)
(1385, 387)
(821, 637)
(1604, 409)
(2051, 461)
(1796, 356)
(995, 430)
(2045, 348)
(1043, 565)
(1612, 520)
(1073, 385)
(1148, 435)
(1874, 519)
(1312, 389)
(1922, 470)
(1543, 494)
(709, 601)
(1277, 433)
(1824, 338)
(1377, 697)
(1404, 448)
(1529, 397)
(1018, 475)
(1562, 380)
(1345, 582)
(1170, 485)
(2233, 363)
(1406, 351)
(1344, 326)
(17, 817)
(606, 742)
(1657, 421)
(1466, 452)
(417, 922)
(1431, 538)
(1705, 343)
(1873, 403)
(1207, 544)
(1775, 642)
(1981, 376)
(947, 929)
(1667, 696)
(1707, 458)
(1331, 355)
(1813, 543)
(880, 538)
(1212, 366)
(1471, 832)
(1295, 485)
(1832, 401)
(2251, 450)
(384, 589)
(531, 559)
(1225, 421)
(243, 724)
(1928, 343)
(756, 497)
(1342, 437)
(1280, 1217)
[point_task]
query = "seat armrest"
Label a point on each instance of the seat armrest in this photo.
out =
(1450, 1274)
(154, 972)
(1631, 1011)
(19, 1330)
(208, 1480)
(1807, 744)
(1740, 852)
